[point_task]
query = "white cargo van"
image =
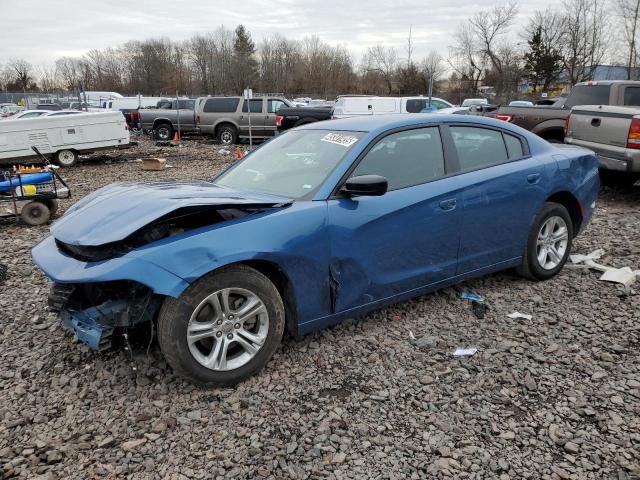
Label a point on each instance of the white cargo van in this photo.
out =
(62, 137)
(351, 106)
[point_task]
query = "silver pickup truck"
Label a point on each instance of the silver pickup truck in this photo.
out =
(613, 133)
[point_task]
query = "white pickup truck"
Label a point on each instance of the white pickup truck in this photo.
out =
(613, 133)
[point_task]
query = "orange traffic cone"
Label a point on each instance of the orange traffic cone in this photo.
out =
(239, 153)
(176, 137)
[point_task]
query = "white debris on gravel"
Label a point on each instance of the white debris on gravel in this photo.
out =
(552, 397)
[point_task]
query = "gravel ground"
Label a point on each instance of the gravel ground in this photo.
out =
(554, 397)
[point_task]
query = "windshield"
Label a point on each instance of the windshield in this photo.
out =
(292, 165)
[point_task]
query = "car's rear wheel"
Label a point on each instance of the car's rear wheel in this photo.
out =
(164, 132)
(227, 135)
(549, 243)
(224, 328)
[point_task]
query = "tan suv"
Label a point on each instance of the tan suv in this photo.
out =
(227, 118)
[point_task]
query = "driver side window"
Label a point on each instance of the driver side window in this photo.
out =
(406, 158)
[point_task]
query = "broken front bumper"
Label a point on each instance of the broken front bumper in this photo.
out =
(62, 268)
(94, 325)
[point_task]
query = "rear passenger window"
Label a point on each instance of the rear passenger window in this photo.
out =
(514, 146)
(632, 96)
(405, 158)
(478, 147)
(221, 105)
(256, 106)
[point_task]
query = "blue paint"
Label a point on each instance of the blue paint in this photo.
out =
(379, 250)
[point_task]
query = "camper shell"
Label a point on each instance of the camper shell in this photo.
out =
(63, 137)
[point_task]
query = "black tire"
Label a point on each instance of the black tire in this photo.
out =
(227, 135)
(613, 178)
(531, 267)
(53, 206)
(66, 158)
(35, 213)
(175, 314)
(163, 131)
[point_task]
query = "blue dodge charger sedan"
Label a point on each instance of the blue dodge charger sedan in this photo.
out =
(327, 221)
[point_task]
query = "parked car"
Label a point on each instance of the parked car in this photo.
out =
(163, 120)
(61, 135)
(10, 110)
(614, 134)
(549, 122)
(289, 117)
(472, 102)
(227, 118)
(351, 106)
(41, 113)
(324, 222)
(48, 106)
(521, 103)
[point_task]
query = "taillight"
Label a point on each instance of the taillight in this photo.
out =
(197, 119)
(504, 117)
(279, 119)
(132, 117)
(565, 126)
(633, 139)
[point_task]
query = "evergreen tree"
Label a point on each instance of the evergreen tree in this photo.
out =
(246, 65)
(543, 63)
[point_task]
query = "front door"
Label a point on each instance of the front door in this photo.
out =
(406, 239)
(273, 105)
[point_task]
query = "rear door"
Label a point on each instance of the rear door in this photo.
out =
(408, 238)
(253, 113)
(502, 191)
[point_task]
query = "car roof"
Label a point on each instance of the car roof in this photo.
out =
(380, 123)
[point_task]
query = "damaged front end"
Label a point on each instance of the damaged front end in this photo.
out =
(95, 311)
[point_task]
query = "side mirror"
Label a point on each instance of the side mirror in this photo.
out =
(365, 185)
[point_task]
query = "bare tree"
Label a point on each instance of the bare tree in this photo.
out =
(629, 14)
(22, 72)
(48, 78)
(466, 59)
(384, 62)
(585, 40)
(489, 28)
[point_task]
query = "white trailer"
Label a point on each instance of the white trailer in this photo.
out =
(62, 137)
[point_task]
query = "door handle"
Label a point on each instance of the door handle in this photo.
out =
(448, 204)
(595, 122)
(533, 178)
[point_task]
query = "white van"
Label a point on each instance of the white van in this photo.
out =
(62, 137)
(351, 106)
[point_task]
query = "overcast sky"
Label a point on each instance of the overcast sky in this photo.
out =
(42, 30)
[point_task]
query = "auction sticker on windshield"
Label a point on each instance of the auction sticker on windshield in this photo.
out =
(339, 139)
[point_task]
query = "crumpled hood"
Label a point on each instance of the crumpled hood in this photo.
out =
(114, 212)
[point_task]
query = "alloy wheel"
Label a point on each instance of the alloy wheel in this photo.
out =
(227, 329)
(552, 241)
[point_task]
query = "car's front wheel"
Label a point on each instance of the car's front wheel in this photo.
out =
(224, 328)
(549, 243)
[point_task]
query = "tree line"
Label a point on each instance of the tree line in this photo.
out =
(564, 43)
